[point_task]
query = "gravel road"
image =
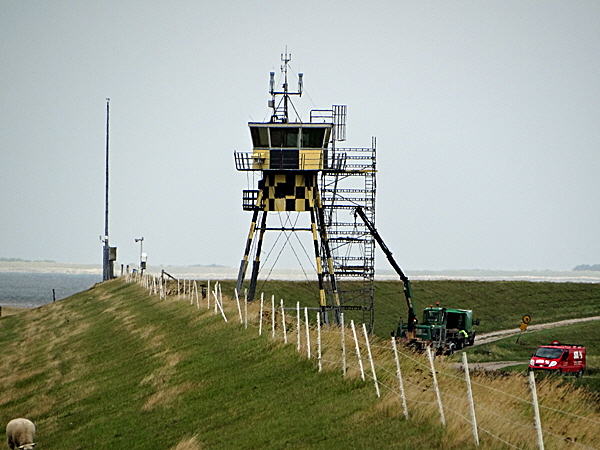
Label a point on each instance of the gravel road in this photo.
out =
(496, 335)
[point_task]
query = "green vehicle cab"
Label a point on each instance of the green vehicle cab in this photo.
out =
(444, 329)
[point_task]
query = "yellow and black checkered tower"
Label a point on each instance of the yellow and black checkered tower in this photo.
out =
(292, 158)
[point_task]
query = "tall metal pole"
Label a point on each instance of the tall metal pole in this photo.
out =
(106, 275)
(141, 241)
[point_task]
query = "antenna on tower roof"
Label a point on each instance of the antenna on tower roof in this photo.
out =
(280, 113)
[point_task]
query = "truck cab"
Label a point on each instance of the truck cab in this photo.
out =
(445, 329)
(457, 324)
(559, 358)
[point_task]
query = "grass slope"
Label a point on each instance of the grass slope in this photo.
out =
(498, 304)
(114, 368)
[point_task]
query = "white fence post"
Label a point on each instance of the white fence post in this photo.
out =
(470, 394)
(319, 354)
(272, 316)
(298, 324)
(364, 327)
(283, 323)
(246, 310)
(307, 332)
(237, 299)
(208, 295)
(400, 381)
(343, 329)
(536, 409)
(220, 304)
(220, 296)
(260, 320)
(217, 286)
(362, 370)
(435, 385)
(216, 294)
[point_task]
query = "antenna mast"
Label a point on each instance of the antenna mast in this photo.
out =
(281, 114)
(284, 68)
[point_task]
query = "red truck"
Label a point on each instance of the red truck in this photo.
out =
(559, 358)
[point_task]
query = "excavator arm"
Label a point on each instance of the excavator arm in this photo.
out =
(412, 317)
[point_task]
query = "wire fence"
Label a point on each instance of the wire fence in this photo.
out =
(506, 409)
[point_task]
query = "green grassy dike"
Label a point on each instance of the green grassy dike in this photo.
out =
(499, 305)
(112, 368)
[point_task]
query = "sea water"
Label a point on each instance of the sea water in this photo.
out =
(35, 289)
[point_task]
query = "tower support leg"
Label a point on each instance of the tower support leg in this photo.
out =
(327, 249)
(244, 263)
(322, 298)
(256, 263)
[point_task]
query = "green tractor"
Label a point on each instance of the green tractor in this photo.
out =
(443, 329)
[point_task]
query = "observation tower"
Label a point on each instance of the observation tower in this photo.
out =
(302, 171)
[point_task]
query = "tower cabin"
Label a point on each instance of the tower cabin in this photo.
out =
(289, 146)
(290, 156)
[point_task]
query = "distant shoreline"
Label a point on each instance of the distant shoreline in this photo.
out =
(49, 267)
(228, 273)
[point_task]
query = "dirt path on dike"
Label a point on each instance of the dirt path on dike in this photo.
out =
(496, 335)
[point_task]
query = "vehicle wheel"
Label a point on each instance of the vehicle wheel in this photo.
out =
(579, 373)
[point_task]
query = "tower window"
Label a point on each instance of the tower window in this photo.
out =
(313, 137)
(284, 137)
(260, 137)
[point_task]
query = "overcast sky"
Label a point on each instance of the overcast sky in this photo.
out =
(486, 114)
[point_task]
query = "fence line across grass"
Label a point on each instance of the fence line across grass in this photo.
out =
(420, 386)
